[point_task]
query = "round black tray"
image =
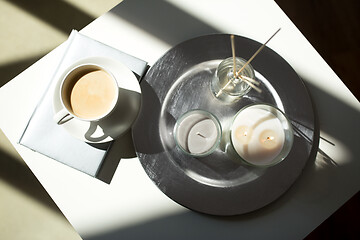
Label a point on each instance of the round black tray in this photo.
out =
(180, 81)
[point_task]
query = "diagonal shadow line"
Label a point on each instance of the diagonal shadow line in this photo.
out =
(59, 14)
(20, 176)
(326, 156)
(179, 25)
(10, 70)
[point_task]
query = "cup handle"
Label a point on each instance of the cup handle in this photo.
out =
(62, 116)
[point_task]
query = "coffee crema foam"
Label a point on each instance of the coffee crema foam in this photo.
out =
(93, 95)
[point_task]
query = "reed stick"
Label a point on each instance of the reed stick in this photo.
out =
(233, 53)
(251, 84)
(250, 80)
(257, 52)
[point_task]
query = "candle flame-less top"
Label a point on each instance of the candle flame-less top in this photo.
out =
(257, 136)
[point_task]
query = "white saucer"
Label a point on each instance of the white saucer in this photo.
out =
(90, 132)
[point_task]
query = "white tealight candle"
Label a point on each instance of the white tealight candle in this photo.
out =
(202, 136)
(197, 132)
(257, 136)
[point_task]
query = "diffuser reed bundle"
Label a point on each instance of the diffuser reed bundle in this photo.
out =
(237, 74)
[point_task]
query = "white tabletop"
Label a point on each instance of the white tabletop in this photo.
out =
(131, 205)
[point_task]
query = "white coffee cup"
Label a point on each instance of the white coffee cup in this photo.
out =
(88, 92)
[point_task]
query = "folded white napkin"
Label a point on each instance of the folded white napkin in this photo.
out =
(43, 135)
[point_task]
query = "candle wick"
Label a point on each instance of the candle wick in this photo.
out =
(199, 134)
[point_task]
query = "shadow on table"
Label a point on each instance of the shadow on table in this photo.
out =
(178, 26)
(10, 70)
(121, 148)
(148, 136)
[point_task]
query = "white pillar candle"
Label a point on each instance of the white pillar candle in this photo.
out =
(257, 136)
(197, 133)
